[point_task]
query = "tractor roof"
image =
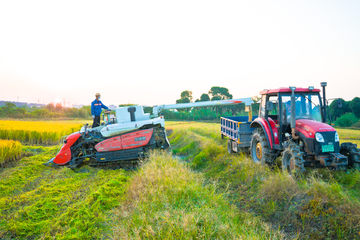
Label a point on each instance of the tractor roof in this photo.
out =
(287, 90)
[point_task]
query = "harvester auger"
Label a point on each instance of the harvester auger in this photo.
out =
(122, 139)
(292, 122)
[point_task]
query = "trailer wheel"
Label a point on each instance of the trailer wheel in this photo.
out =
(352, 152)
(292, 159)
(229, 147)
(259, 148)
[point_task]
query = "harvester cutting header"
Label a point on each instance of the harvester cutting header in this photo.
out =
(124, 138)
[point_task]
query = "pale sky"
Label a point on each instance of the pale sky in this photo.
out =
(148, 52)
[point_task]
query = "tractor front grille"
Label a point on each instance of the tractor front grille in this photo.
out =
(328, 136)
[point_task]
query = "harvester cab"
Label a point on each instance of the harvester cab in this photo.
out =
(122, 139)
(292, 122)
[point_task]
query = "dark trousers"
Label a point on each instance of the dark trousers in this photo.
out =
(96, 121)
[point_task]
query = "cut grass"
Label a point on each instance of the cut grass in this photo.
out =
(41, 202)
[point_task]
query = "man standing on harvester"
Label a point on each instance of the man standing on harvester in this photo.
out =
(96, 107)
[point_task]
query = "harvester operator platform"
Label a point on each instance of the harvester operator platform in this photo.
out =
(96, 107)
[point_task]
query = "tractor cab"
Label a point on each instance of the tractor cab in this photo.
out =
(275, 109)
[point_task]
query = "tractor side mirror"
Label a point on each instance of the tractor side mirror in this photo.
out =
(269, 106)
(339, 103)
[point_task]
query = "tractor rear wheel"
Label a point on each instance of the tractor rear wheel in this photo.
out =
(292, 159)
(352, 152)
(259, 148)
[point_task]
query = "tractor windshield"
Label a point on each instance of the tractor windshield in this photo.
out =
(307, 105)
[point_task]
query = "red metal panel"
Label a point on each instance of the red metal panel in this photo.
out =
(310, 127)
(108, 145)
(274, 130)
(266, 129)
(64, 154)
(285, 90)
(136, 139)
(63, 157)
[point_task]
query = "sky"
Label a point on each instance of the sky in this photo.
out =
(148, 52)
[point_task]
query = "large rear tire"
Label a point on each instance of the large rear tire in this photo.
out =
(352, 152)
(292, 159)
(259, 148)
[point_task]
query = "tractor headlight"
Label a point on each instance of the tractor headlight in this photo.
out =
(336, 137)
(319, 137)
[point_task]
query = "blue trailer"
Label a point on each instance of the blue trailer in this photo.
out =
(238, 130)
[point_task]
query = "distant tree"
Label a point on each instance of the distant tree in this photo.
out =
(186, 94)
(9, 108)
(185, 97)
(334, 109)
(58, 107)
(127, 105)
(219, 93)
(50, 107)
(355, 106)
(203, 98)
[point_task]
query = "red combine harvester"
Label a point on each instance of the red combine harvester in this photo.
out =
(124, 139)
(291, 122)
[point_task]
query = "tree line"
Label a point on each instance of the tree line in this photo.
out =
(215, 93)
(345, 113)
(342, 113)
(10, 110)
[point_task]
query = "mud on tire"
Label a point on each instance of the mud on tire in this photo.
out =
(292, 159)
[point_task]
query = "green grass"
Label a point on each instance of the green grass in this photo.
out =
(321, 204)
(208, 194)
(166, 200)
(42, 202)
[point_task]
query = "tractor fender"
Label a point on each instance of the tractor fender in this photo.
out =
(261, 123)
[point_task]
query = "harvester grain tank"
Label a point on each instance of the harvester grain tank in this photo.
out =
(292, 123)
(122, 139)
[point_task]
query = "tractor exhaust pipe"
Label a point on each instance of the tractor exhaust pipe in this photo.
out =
(324, 84)
(292, 115)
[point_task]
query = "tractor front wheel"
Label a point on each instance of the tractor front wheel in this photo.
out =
(259, 148)
(292, 159)
(352, 152)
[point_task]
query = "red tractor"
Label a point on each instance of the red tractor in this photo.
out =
(291, 122)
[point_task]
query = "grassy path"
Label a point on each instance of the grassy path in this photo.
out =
(320, 205)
